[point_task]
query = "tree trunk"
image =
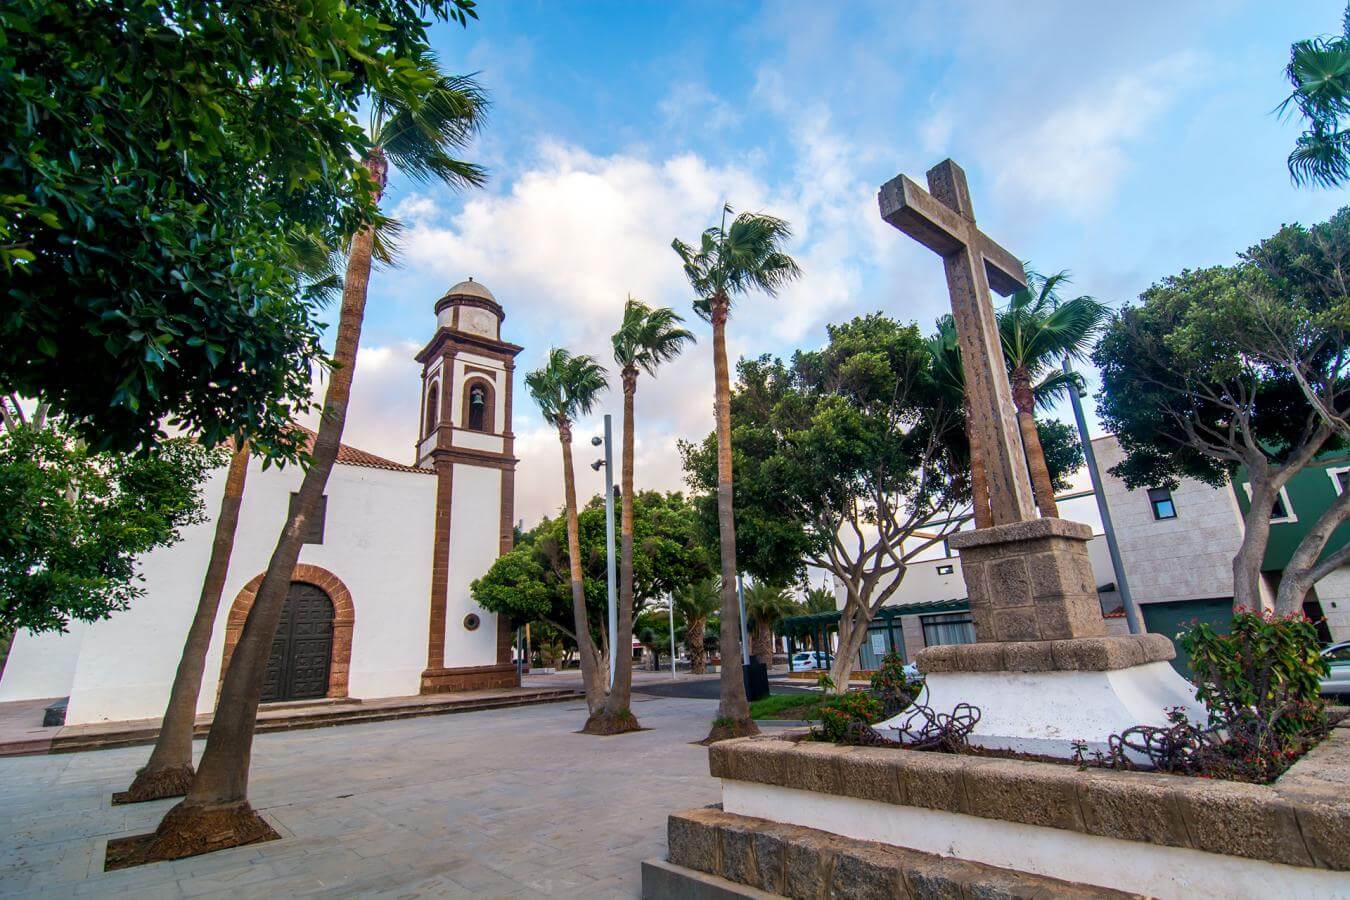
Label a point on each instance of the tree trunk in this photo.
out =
(1247, 596)
(1025, 401)
(591, 677)
(847, 656)
(169, 772)
(979, 477)
(1301, 572)
(216, 813)
(733, 712)
(693, 639)
(617, 717)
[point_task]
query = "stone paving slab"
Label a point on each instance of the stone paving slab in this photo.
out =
(498, 803)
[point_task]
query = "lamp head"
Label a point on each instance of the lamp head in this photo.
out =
(598, 465)
(597, 441)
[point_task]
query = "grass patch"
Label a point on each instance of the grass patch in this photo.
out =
(787, 706)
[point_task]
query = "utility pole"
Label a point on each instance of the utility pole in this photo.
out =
(1131, 608)
(740, 599)
(610, 577)
(671, 616)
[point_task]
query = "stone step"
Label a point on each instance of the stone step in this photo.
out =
(322, 716)
(793, 861)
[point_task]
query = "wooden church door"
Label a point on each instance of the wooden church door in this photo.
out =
(302, 650)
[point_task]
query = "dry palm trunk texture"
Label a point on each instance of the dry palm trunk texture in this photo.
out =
(216, 813)
(169, 772)
(616, 717)
(734, 710)
(1024, 399)
(592, 674)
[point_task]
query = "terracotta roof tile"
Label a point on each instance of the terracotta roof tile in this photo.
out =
(351, 456)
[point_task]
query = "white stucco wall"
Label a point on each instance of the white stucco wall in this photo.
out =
(377, 541)
(1333, 592)
(475, 540)
(42, 665)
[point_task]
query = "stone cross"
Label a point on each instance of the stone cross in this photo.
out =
(944, 222)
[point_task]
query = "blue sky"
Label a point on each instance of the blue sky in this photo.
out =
(1123, 144)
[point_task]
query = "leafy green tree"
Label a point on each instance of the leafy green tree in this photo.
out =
(842, 457)
(418, 126)
(165, 165)
(533, 582)
(566, 388)
(1319, 73)
(1237, 366)
(646, 338)
(73, 522)
(730, 261)
(1038, 330)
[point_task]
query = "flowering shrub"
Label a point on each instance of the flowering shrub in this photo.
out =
(1260, 686)
(839, 712)
(1265, 666)
(892, 685)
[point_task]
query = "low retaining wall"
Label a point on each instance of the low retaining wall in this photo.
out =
(1163, 835)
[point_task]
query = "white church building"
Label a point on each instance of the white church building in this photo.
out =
(379, 604)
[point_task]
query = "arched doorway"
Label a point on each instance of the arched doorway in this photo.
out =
(341, 624)
(302, 651)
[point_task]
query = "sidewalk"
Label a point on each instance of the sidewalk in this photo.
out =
(22, 734)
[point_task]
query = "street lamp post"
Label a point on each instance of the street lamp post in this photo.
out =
(608, 464)
(740, 599)
(1131, 609)
(671, 616)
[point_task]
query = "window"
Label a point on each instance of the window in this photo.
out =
(946, 570)
(314, 527)
(1340, 478)
(477, 407)
(953, 628)
(1281, 511)
(433, 407)
(1161, 501)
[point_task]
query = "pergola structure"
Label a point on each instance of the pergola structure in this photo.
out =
(817, 627)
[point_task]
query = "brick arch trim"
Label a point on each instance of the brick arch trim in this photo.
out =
(344, 618)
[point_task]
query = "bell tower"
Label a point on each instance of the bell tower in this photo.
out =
(465, 435)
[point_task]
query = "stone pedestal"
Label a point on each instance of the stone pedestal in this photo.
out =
(1044, 673)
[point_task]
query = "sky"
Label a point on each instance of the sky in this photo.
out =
(1120, 142)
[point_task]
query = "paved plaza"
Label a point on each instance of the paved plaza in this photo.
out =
(496, 803)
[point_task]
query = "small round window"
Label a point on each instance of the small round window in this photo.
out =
(471, 622)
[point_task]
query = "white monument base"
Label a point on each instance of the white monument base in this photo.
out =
(1046, 712)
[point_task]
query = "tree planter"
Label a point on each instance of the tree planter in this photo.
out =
(1137, 832)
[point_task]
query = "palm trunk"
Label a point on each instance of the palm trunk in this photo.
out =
(169, 772)
(590, 663)
(979, 478)
(619, 716)
(763, 641)
(693, 639)
(216, 813)
(1025, 401)
(734, 710)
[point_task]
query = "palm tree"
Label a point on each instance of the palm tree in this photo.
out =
(945, 350)
(565, 389)
(727, 262)
(696, 603)
(1319, 71)
(646, 338)
(420, 136)
(1038, 330)
(765, 604)
(169, 772)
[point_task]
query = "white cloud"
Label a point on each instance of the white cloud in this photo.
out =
(1077, 155)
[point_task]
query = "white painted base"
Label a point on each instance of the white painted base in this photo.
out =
(1045, 712)
(1147, 869)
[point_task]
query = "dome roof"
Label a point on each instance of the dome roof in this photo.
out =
(471, 288)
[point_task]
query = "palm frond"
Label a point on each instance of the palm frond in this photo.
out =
(422, 137)
(735, 259)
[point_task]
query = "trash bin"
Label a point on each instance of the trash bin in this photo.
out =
(756, 676)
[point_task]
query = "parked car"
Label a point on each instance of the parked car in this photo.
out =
(1338, 679)
(806, 660)
(912, 673)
